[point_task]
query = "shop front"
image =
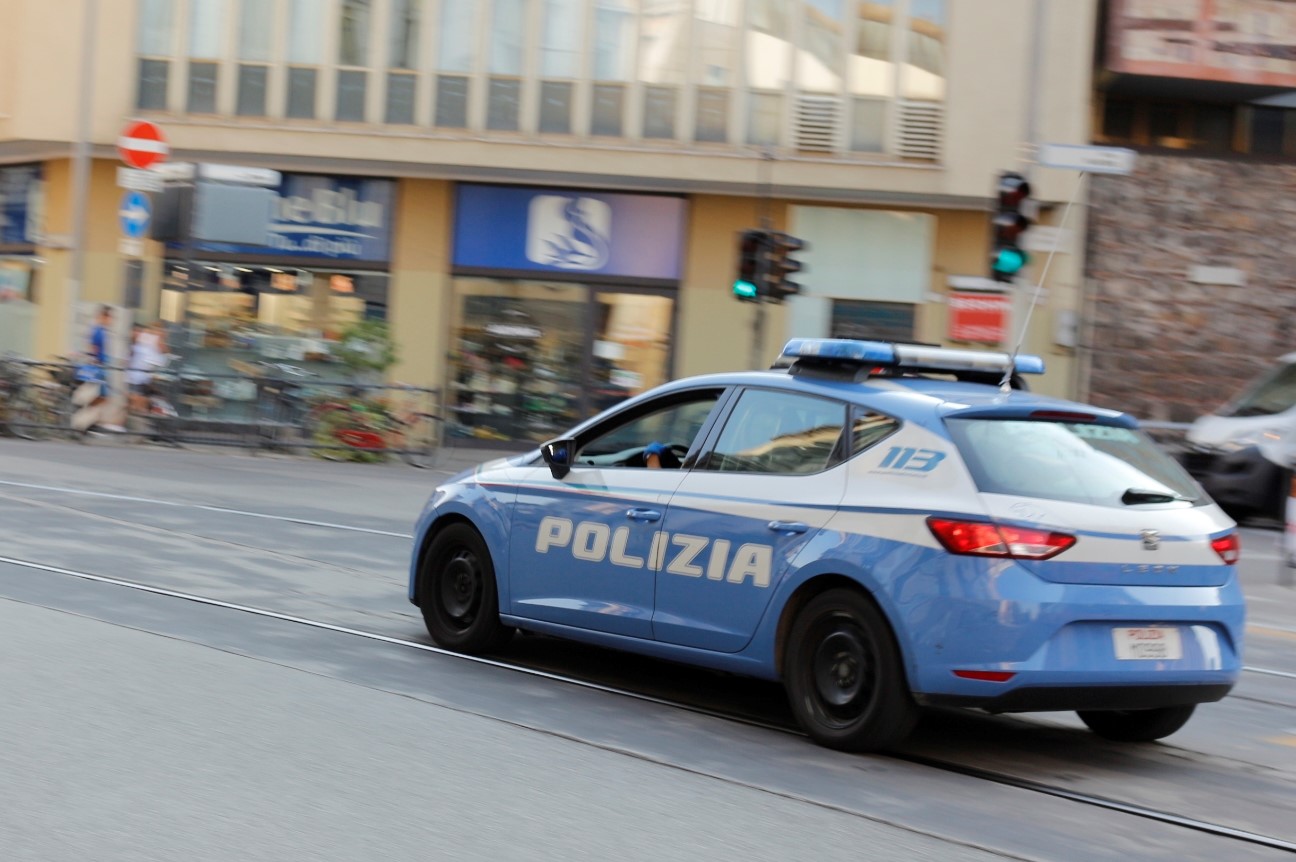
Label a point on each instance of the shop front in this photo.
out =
(21, 214)
(320, 273)
(564, 303)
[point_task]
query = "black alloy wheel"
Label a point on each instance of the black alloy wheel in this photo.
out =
(458, 595)
(843, 674)
(1137, 725)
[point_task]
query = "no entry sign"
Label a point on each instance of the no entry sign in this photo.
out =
(142, 145)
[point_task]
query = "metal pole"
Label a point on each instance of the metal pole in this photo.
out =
(764, 222)
(81, 174)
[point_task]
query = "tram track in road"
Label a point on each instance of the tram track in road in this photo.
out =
(1263, 628)
(1000, 778)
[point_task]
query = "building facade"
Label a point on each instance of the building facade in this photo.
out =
(542, 197)
(1189, 258)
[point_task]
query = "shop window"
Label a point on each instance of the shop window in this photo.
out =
(351, 95)
(555, 107)
(202, 88)
(401, 89)
(1118, 120)
(712, 115)
(503, 95)
(251, 91)
(1213, 128)
(659, 112)
(152, 95)
(1269, 132)
(609, 106)
(1165, 125)
(301, 93)
(872, 321)
(452, 102)
(524, 367)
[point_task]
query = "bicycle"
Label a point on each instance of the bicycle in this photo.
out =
(364, 429)
(32, 398)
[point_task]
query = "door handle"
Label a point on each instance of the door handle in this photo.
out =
(788, 526)
(643, 515)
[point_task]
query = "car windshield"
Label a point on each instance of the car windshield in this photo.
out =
(1274, 392)
(1074, 461)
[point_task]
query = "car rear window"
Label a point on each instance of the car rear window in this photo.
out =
(1074, 461)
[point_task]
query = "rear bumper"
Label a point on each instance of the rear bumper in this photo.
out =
(1054, 698)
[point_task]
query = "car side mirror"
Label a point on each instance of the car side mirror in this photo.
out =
(558, 455)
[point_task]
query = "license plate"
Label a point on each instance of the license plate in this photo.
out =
(1146, 644)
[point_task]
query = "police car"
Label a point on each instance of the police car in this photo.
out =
(878, 526)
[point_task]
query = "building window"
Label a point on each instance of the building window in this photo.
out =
(256, 29)
(503, 95)
(301, 94)
(351, 95)
(868, 120)
(764, 118)
(609, 106)
(251, 91)
(455, 47)
(560, 48)
(202, 88)
(925, 51)
(555, 107)
(659, 112)
(353, 35)
(152, 95)
(402, 48)
(401, 89)
(452, 102)
(712, 115)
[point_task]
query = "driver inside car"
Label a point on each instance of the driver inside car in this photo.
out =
(658, 455)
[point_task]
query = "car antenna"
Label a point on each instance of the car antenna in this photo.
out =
(1005, 385)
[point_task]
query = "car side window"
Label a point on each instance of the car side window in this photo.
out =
(778, 432)
(649, 437)
(868, 428)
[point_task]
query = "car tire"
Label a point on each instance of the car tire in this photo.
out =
(458, 593)
(843, 674)
(1137, 725)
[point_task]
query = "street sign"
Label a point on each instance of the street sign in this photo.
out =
(978, 317)
(135, 214)
(240, 175)
(1091, 160)
(139, 181)
(141, 144)
(130, 247)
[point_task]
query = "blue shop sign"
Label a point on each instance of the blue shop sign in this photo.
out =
(20, 204)
(580, 234)
(334, 218)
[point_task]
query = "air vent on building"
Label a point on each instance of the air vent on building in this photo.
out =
(817, 120)
(919, 130)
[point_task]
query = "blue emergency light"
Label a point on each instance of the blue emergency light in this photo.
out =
(914, 357)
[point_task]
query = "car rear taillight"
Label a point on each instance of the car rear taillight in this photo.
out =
(1228, 547)
(983, 539)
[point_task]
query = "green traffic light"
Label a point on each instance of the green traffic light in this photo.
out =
(1009, 261)
(744, 289)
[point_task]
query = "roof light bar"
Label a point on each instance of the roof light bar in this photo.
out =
(907, 355)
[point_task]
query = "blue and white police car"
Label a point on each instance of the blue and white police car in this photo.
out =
(878, 526)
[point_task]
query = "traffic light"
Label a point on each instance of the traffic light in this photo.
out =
(1006, 256)
(753, 247)
(778, 286)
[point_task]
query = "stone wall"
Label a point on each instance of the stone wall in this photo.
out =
(1165, 347)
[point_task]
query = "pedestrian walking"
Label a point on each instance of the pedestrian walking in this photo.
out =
(92, 397)
(148, 354)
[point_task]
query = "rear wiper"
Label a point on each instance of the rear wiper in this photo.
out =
(1135, 496)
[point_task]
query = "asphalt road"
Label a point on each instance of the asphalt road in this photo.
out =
(144, 726)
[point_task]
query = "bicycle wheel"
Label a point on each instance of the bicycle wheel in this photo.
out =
(420, 437)
(30, 420)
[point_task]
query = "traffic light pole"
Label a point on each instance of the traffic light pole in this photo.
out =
(762, 270)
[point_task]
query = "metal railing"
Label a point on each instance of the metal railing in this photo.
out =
(261, 406)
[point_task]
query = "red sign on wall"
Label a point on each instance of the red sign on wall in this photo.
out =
(979, 317)
(142, 144)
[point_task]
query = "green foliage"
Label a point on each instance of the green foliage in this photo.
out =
(367, 346)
